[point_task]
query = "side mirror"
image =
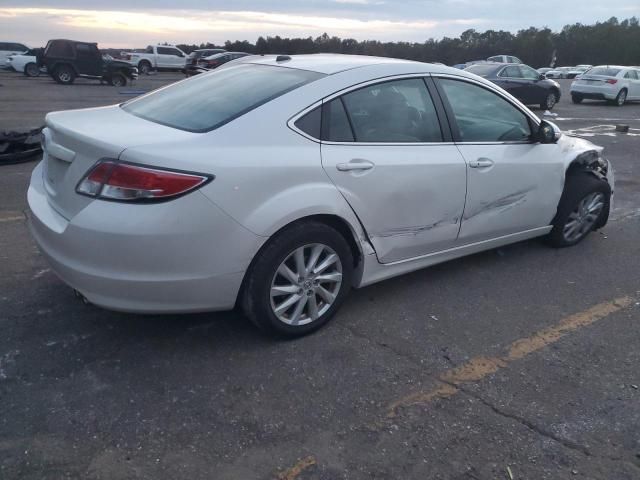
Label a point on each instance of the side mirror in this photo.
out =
(542, 76)
(548, 132)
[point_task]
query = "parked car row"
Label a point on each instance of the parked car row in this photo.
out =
(565, 72)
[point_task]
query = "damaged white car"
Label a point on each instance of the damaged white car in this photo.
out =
(280, 183)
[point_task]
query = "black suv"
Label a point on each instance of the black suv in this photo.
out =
(67, 59)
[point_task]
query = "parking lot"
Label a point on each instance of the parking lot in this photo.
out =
(516, 363)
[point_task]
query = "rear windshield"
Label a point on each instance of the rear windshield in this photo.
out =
(606, 71)
(482, 70)
(208, 101)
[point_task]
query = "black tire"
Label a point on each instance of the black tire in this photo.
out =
(575, 98)
(621, 98)
(31, 70)
(118, 80)
(256, 298)
(64, 75)
(550, 101)
(578, 186)
(144, 67)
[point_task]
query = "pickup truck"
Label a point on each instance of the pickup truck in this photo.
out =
(158, 57)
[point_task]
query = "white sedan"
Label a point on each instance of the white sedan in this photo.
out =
(24, 63)
(280, 183)
(615, 84)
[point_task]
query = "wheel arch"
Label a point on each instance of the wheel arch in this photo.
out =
(354, 236)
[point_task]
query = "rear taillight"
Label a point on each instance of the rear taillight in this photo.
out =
(112, 180)
(612, 81)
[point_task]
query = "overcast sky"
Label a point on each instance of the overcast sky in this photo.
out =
(136, 23)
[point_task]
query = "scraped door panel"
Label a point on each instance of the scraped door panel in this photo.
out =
(511, 188)
(411, 199)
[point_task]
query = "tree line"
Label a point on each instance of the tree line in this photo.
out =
(611, 42)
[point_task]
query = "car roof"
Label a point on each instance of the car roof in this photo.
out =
(330, 63)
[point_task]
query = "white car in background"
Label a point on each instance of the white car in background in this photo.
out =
(559, 72)
(10, 48)
(279, 183)
(615, 84)
(578, 70)
(26, 63)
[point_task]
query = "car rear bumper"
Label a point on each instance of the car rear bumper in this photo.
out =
(180, 256)
(594, 92)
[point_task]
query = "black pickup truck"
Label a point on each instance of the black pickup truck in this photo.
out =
(68, 59)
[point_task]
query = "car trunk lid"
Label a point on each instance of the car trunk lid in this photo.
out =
(73, 141)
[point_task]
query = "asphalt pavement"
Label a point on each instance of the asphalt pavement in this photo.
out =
(516, 363)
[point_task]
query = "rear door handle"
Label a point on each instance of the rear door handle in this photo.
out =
(481, 163)
(355, 164)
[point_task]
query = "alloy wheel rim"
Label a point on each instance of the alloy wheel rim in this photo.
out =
(551, 100)
(622, 98)
(32, 69)
(65, 77)
(582, 219)
(306, 284)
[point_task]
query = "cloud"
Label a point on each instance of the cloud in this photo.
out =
(187, 26)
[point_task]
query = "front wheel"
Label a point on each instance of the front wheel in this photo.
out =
(144, 68)
(583, 207)
(575, 98)
(31, 70)
(549, 101)
(299, 280)
(118, 80)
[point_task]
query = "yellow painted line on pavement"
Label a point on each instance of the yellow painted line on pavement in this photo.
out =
(293, 472)
(480, 367)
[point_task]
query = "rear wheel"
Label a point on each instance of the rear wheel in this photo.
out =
(575, 98)
(64, 74)
(31, 70)
(118, 80)
(621, 98)
(584, 207)
(299, 280)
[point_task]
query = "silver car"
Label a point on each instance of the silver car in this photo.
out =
(280, 183)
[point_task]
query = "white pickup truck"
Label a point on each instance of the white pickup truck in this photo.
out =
(158, 57)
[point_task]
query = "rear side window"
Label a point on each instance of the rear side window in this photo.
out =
(60, 49)
(209, 101)
(605, 71)
(310, 123)
(399, 111)
(483, 116)
(631, 74)
(335, 123)
(483, 70)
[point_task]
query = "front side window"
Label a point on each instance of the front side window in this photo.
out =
(209, 101)
(484, 116)
(511, 72)
(529, 73)
(398, 111)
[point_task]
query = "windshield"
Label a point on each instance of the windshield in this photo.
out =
(208, 101)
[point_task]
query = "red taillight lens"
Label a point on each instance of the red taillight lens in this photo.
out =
(126, 182)
(612, 81)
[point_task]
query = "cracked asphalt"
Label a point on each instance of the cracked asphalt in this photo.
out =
(517, 363)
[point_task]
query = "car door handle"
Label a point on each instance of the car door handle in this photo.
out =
(355, 164)
(481, 163)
